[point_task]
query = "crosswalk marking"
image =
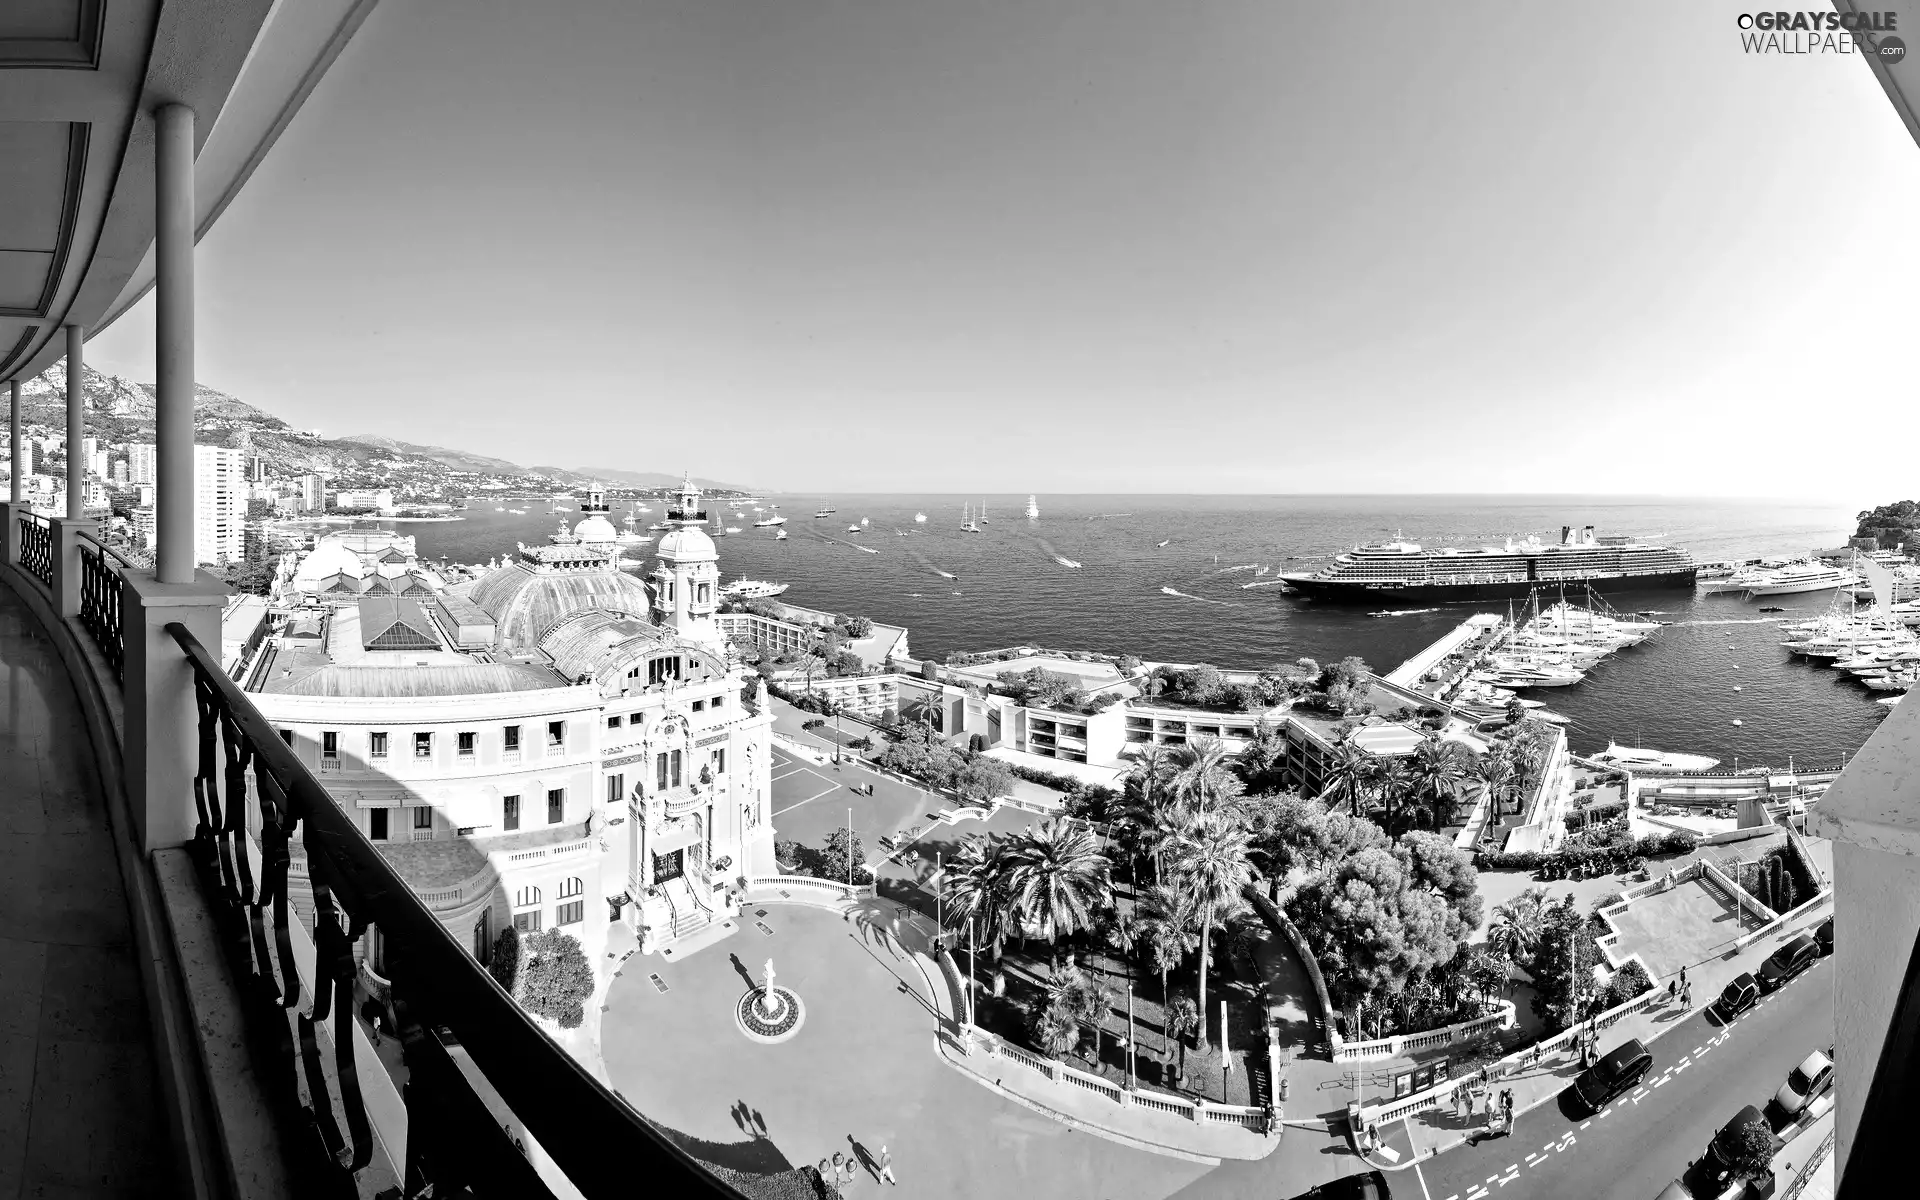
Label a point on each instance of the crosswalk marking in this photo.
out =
(1584, 1124)
(1566, 1141)
(1534, 1160)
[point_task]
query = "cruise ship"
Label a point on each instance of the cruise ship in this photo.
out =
(1800, 577)
(1406, 571)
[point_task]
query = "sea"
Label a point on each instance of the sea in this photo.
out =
(1163, 577)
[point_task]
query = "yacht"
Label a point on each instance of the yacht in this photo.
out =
(736, 529)
(499, 508)
(1641, 758)
(919, 518)
(659, 526)
(631, 535)
(983, 514)
(1033, 508)
(853, 529)
(1800, 577)
(967, 523)
(752, 589)
(825, 510)
(767, 522)
(780, 536)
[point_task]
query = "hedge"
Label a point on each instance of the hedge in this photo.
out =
(1651, 845)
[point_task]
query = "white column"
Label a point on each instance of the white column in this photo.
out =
(76, 423)
(19, 482)
(173, 344)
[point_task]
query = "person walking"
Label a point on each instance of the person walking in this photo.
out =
(886, 1166)
(1673, 989)
(1462, 1104)
(1686, 995)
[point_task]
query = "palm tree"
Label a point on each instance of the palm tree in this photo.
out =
(1211, 869)
(1517, 925)
(1147, 796)
(1182, 1018)
(1202, 774)
(1396, 784)
(974, 890)
(1055, 878)
(1349, 775)
(1495, 771)
(1438, 769)
(1164, 925)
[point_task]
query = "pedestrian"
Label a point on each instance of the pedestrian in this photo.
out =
(1462, 1103)
(1673, 988)
(1683, 978)
(1686, 995)
(886, 1166)
(1506, 1102)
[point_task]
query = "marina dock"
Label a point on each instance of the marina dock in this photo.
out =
(1408, 673)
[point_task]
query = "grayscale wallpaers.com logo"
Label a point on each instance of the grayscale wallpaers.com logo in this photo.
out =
(1823, 33)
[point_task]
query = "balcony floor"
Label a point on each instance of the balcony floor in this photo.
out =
(79, 1108)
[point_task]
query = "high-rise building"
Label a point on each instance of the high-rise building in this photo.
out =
(120, 472)
(140, 524)
(97, 463)
(313, 493)
(88, 448)
(256, 469)
(218, 514)
(140, 468)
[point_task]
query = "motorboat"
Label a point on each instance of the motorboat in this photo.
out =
(769, 522)
(752, 589)
(853, 529)
(631, 535)
(781, 536)
(1643, 758)
(919, 518)
(735, 529)
(825, 510)
(1800, 577)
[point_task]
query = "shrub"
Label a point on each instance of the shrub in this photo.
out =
(555, 978)
(977, 742)
(504, 964)
(1627, 983)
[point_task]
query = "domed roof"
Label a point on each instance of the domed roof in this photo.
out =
(331, 557)
(594, 528)
(526, 603)
(687, 544)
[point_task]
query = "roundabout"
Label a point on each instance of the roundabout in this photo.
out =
(770, 1015)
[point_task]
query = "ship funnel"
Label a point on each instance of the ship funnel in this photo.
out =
(1588, 538)
(1566, 535)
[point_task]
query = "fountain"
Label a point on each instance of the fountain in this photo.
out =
(768, 1013)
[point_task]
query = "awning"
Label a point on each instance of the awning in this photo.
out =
(676, 836)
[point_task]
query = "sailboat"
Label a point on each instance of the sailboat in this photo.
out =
(983, 513)
(967, 524)
(631, 536)
(1033, 509)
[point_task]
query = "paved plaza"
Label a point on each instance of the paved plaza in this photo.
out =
(810, 802)
(864, 1065)
(1684, 927)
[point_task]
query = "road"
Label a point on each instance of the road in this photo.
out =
(1702, 1074)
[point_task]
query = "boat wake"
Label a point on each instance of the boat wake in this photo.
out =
(1241, 567)
(928, 564)
(1053, 553)
(1402, 612)
(1167, 591)
(1066, 562)
(1747, 621)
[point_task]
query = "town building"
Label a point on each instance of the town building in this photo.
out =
(313, 493)
(218, 515)
(140, 463)
(491, 737)
(380, 499)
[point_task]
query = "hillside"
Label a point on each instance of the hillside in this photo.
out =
(1893, 524)
(120, 410)
(639, 479)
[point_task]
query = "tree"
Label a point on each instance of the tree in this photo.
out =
(1163, 926)
(1628, 983)
(1038, 687)
(1181, 1019)
(1054, 1029)
(555, 978)
(983, 778)
(1127, 665)
(1349, 775)
(1262, 763)
(1371, 928)
(1085, 1002)
(1562, 965)
(1203, 779)
(843, 848)
(1211, 869)
(1289, 833)
(1438, 768)
(1748, 1150)
(1516, 711)
(504, 962)
(1056, 878)
(1147, 795)
(1396, 786)
(859, 627)
(1431, 861)
(1496, 774)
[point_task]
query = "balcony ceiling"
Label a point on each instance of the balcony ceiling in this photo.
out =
(79, 83)
(1901, 80)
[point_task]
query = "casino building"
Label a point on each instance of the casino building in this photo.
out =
(552, 744)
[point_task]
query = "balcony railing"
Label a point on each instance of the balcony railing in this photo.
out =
(441, 995)
(100, 603)
(36, 548)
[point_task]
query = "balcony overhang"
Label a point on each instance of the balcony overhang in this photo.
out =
(80, 81)
(1901, 80)
(1873, 803)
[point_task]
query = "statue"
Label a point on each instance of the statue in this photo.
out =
(767, 1004)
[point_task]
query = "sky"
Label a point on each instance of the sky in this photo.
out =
(1086, 246)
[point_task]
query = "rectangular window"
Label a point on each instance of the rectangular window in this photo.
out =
(570, 914)
(329, 744)
(675, 757)
(613, 722)
(467, 741)
(660, 670)
(556, 733)
(423, 745)
(616, 789)
(377, 745)
(556, 805)
(510, 811)
(377, 825)
(423, 816)
(660, 763)
(527, 922)
(720, 761)
(512, 736)
(286, 735)
(719, 702)
(699, 706)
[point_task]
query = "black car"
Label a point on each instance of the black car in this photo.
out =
(1824, 935)
(1739, 996)
(1717, 1161)
(1367, 1185)
(1623, 1066)
(1786, 962)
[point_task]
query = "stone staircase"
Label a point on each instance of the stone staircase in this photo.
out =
(688, 915)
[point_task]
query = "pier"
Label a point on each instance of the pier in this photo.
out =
(1408, 673)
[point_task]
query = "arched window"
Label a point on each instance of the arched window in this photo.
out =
(570, 888)
(526, 896)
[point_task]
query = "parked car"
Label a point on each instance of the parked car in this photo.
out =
(1717, 1162)
(1622, 1067)
(1788, 961)
(1824, 935)
(1801, 1095)
(1739, 996)
(1367, 1185)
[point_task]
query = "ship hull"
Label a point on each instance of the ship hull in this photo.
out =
(1340, 591)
